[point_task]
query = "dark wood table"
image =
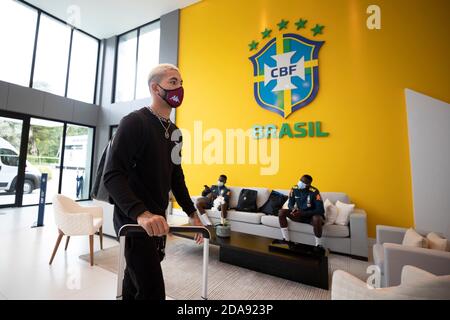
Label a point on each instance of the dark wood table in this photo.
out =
(306, 265)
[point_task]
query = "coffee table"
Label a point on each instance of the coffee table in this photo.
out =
(306, 265)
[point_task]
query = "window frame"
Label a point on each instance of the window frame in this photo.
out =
(116, 58)
(33, 61)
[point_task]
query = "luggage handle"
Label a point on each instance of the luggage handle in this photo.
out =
(130, 229)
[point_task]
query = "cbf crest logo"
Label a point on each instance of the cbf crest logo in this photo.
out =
(286, 69)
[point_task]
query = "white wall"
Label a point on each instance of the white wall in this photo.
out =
(429, 147)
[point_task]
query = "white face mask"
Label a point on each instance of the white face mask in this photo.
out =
(220, 183)
(301, 184)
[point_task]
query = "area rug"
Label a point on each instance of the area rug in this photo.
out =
(182, 270)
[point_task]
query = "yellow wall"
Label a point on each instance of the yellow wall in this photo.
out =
(361, 101)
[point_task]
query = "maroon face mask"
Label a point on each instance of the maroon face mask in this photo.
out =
(174, 97)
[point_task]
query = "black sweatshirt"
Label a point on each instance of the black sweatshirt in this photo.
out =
(140, 173)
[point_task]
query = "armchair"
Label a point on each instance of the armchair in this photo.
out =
(75, 220)
(390, 256)
(415, 284)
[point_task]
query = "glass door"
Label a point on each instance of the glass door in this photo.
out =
(10, 146)
(77, 162)
(43, 156)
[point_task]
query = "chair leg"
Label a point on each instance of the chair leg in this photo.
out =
(67, 242)
(91, 248)
(100, 232)
(58, 241)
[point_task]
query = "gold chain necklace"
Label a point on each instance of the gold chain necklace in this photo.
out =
(166, 130)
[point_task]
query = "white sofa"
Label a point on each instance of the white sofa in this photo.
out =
(351, 239)
(391, 256)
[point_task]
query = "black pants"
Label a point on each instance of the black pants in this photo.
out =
(143, 279)
(316, 220)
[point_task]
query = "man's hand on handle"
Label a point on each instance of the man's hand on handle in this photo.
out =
(195, 221)
(154, 224)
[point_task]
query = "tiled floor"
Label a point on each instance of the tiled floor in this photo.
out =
(25, 252)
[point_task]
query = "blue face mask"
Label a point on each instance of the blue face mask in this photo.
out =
(220, 183)
(301, 185)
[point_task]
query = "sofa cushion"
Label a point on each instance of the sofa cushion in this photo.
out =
(344, 210)
(328, 231)
(335, 231)
(233, 215)
(436, 242)
(413, 239)
(263, 195)
(331, 212)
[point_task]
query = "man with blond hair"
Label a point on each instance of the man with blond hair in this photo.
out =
(139, 174)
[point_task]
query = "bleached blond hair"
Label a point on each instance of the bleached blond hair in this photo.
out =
(158, 72)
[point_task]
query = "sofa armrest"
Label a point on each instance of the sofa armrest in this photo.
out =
(390, 234)
(97, 212)
(396, 256)
(358, 233)
(347, 287)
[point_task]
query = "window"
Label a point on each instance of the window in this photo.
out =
(126, 67)
(137, 54)
(83, 67)
(148, 57)
(52, 56)
(46, 58)
(17, 33)
(9, 157)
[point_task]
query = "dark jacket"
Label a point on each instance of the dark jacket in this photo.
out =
(139, 172)
(218, 191)
(308, 200)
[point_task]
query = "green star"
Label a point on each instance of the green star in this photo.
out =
(317, 29)
(283, 24)
(266, 33)
(301, 24)
(253, 45)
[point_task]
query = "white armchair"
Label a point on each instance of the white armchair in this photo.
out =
(75, 220)
(390, 256)
(416, 284)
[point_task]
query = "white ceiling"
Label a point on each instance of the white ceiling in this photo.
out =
(106, 18)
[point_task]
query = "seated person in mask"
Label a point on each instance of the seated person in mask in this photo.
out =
(217, 196)
(305, 206)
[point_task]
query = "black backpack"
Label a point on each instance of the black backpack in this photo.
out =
(99, 191)
(274, 203)
(247, 200)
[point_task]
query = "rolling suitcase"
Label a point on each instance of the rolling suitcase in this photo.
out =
(129, 230)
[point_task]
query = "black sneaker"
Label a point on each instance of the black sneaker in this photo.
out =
(278, 241)
(319, 249)
(292, 245)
